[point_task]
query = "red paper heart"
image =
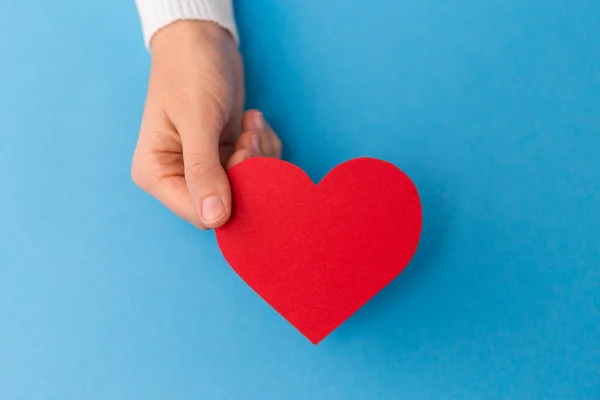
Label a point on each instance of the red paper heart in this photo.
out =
(317, 253)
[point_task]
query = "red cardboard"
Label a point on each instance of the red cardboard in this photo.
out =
(317, 253)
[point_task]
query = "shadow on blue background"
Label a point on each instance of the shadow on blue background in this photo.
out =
(493, 108)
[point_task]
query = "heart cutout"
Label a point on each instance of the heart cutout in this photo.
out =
(317, 253)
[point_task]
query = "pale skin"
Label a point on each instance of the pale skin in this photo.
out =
(194, 126)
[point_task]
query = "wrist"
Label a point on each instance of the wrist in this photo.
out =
(185, 33)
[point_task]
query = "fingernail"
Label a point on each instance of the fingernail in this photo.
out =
(259, 121)
(213, 209)
(256, 143)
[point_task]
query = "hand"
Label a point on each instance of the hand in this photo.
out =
(193, 123)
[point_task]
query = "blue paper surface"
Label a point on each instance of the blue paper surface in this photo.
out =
(493, 108)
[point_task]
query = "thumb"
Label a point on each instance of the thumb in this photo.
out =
(205, 177)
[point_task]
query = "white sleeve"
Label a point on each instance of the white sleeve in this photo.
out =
(155, 14)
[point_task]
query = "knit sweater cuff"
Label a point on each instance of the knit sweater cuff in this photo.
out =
(156, 14)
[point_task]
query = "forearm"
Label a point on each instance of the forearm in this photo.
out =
(156, 14)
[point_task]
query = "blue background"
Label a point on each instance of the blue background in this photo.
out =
(492, 107)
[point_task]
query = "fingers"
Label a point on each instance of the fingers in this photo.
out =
(207, 182)
(206, 179)
(238, 157)
(174, 194)
(258, 139)
(270, 145)
(181, 163)
(160, 173)
(250, 141)
(248, 145)
(196, 190)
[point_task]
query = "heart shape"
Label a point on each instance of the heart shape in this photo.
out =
(317, 253)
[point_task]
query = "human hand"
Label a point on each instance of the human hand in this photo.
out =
(193, 123)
